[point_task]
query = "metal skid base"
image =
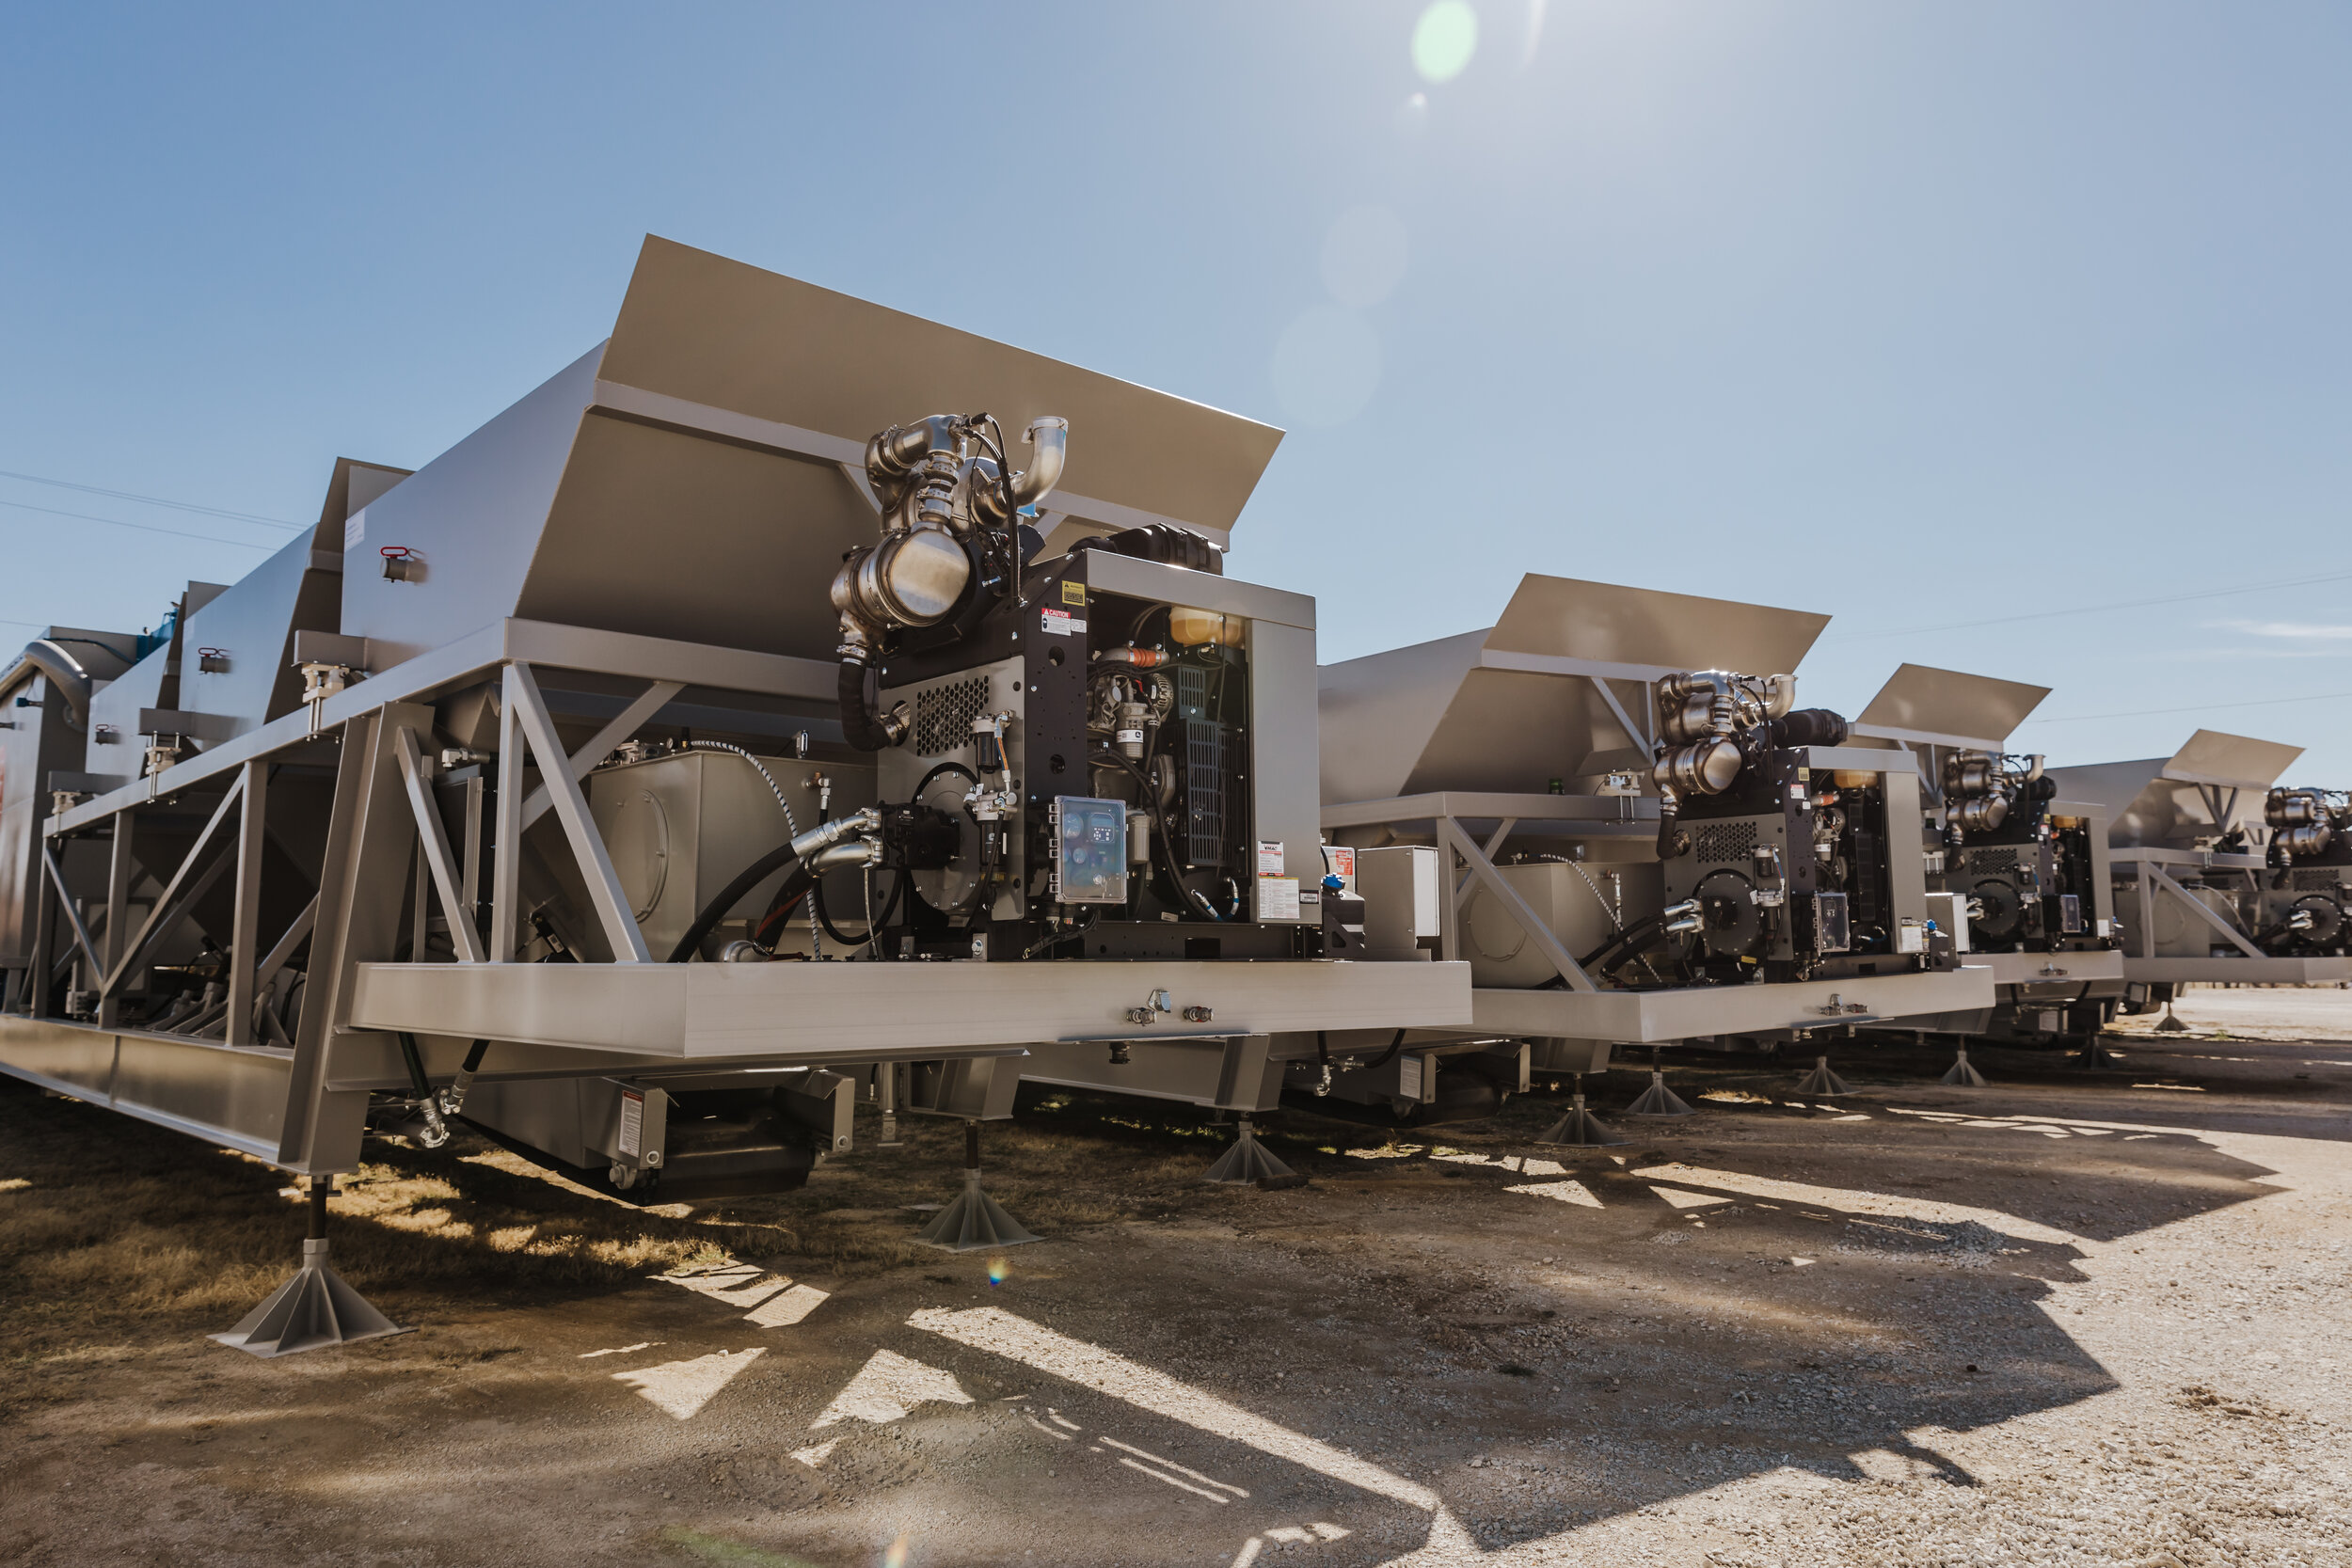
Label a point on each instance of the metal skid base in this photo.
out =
(1580, 1128)
(310, 1311)
(1963, 1075)
(1659, 1100)
(1250, 1164)
(1821, 1083)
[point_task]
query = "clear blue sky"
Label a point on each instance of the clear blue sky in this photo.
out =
(1917, 315)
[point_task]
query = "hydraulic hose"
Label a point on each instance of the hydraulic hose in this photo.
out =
(861, 726)
(1634, 940)
(814, 849)
(1670, 844)
(1159, 840)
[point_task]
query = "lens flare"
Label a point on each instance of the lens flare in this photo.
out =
(897, 1555)
(997, 1270)
(1444, 39)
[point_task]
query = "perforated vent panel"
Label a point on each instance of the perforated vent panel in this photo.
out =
(1984, 863)
(944, 715)
(1724, 841)
(2320, 879)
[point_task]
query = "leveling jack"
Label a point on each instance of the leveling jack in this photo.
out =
(1580, 1126)
(1658, 1101)
(974, 1220)
(1821, 1083)
(313, 1309)
(1250, 1164)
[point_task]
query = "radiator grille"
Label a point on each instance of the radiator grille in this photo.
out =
(944, 715)
(1204, 793)
(1724, 841)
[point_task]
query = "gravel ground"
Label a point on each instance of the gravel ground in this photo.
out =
(2068, 1319)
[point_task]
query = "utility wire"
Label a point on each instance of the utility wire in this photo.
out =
(143, 528)
(2200, 707)
(2091, 609)
(153, 500)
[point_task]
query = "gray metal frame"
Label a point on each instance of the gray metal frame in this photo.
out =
(301, 1104)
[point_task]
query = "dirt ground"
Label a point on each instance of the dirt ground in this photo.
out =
(2067, 1319)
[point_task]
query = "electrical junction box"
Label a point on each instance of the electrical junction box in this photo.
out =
(1950, 911)
(1089, 850)
(1400, 888)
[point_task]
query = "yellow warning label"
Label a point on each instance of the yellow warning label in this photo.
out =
(1073, 593)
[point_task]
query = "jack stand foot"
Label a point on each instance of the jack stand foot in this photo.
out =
(2096, 1057)
(1581, 1128)
(974, 1220)
(1250, 1164)
(1658, 1100)
(1963, 1075)
(1821, 1083)
(313, 1309)
(2168, 1024)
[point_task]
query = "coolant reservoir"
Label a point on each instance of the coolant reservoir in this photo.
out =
(1198, 627)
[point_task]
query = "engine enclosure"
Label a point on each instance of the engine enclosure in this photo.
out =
(1860, 911)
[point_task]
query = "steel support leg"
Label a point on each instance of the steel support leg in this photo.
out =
(313, 1309)
(1250, 1164)
(974, 1220)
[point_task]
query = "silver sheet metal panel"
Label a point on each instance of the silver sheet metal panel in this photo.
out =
(2239, 971)
(686, 478)
(1946, 708)
(1693, 1011)
(2209, 785)
(1516, 706)
(843, 1011)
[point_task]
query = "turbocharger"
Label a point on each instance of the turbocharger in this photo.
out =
(947, 500)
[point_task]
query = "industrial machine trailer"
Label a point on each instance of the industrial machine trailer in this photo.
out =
(2021, 874)
(537, 785)
(1626, 827)
(2219, 876)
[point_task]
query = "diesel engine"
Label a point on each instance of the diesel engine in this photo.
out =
(2027, 875)
(2305, 906)
(1069, 739)
(1779, 867)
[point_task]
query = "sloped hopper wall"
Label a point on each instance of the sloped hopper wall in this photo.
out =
(1441, 716)
(594, 502)
(1981, 709)
(2155, 803)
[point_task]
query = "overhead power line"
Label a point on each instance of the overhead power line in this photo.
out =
(2092, 608)
(153, 500)
(2199, 707)
(143, 528)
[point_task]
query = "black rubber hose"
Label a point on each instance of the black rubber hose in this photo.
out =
(415, 1060)
(1160, 840)
(1386, 1056)
(734, 894)
(1639, 937)
(860, 727)
(1669, 813)
(473, 1057)
(890, 908)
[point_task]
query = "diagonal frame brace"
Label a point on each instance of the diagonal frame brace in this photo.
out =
(169, 906)
(624, 724)
(571, 808)
(2197, 907)
(73, 915)
(1452, 837)
(463, 933)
